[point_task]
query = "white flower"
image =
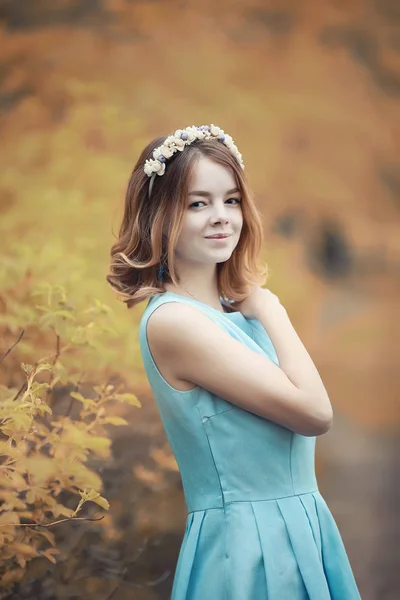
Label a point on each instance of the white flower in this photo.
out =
(215, 131)
(161, 171)
(171, 142)
(180, 144)
(191, 135)
(228, 141)
(191, 129)
(163, 151)
(158, 167)
(154, 166)
(148, 168)
(198, 134)
(167, 151)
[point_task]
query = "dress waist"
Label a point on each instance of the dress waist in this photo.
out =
(208, 503)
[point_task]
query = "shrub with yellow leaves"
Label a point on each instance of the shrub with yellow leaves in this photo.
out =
(45, 451)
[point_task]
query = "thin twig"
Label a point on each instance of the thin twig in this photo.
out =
(9, 350)
(56, 356)
(21, 389)
(33, 525)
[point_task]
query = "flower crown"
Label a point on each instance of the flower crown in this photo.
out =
(185, 137)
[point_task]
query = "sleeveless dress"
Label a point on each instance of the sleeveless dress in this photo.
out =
(257, 526)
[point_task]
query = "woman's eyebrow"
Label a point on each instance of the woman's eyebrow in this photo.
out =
(208, 194)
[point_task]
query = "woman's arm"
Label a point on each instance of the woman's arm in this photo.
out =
(294, 359)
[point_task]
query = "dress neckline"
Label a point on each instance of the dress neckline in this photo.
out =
(223, 303)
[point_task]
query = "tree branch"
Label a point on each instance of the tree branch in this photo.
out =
(34, 525)
(9, 350)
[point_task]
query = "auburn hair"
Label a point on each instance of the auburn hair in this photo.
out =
(151, 226)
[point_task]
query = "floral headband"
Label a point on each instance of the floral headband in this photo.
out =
(177, 142)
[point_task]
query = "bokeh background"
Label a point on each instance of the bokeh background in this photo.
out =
(310, 92)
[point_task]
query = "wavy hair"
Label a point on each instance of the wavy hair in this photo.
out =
(151, 226)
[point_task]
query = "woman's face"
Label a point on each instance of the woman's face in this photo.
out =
(212, 206)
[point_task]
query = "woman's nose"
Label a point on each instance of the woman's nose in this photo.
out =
(220, 213)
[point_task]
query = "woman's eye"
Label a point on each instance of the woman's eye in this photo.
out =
(201, 201)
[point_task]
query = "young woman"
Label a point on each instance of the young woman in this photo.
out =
(240, 398)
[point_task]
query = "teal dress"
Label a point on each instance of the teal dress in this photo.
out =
(257, 526)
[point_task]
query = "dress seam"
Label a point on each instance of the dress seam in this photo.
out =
(290, 461)
(212, 457)
(259, 540)
(309, 523)
(225, 557)
(272, 499)
(223, 507)
(252, 501)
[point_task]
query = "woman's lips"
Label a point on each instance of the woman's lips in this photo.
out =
(219, 240)
(218, 237)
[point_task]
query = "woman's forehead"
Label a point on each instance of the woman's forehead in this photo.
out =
(209, 175)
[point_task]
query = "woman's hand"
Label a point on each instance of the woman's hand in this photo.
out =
(259, 299)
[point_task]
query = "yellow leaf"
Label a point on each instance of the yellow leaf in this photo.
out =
(38, 387)
(60, 509)
(116, 421)
(87, 402)
(43, 367)
(41, 469)
(77, 396)
(88, 495)
(25, 549)
(94, 496)
(7, 518)
(17, 482)
(100, 445)
(45, 408)
(84, 476)
(6, 449)
(20, 422)
(129, 399)
(101, 502)
(49, 554)
(21, 561)
(27, 368)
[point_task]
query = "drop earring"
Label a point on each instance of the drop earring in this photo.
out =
(161, 271)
